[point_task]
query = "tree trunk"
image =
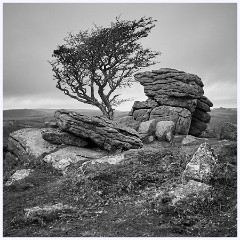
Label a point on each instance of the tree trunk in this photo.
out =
(106, 107)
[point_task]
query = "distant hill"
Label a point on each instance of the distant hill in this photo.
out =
(28, 114)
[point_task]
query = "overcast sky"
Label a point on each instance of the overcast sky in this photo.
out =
(196, 38)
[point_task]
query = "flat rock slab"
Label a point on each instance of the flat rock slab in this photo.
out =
(101, 131)
(57, 136)
(101, 163)
(164, 130)
(189, 139)
(64, 157)
(18, 176)
(27, 144)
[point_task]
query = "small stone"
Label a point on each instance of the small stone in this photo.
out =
(188, 139)
(18, 176)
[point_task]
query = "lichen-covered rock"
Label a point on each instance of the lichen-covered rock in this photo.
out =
(202, 116)
(147, 128)
(175, 89)
(164, 130)
(128, 121)
(197, 127)
(188, 139)
(18, 176)
(57, 136)
(101, 163)
(189, 192)
(189, 104)
(150, 103)
(64, 157)
(141, 115)
(202, 164)
(102, 132)
(180, 116)
(229, 131)
(28, 145)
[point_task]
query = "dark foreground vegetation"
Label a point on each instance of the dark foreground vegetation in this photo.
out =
(123, 200)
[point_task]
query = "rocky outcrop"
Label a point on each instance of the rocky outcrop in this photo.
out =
(229, 131)
(57, 136)
(202, 164)
(100, 131)
(173, 96)
(28, 145)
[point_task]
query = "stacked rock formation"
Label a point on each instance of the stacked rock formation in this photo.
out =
(173, 96)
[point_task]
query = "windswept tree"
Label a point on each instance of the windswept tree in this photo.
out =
(91, 65)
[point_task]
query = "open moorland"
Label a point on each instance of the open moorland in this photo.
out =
(130, 199)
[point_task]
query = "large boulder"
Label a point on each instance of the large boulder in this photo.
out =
(180, 116)
(229, 131)
(28, 145)
(147, 129)
(102, 132)
(57, 136)
(202, 164)
(164, 130)
(63, 158)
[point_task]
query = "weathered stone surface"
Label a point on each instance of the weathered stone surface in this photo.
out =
(57, 136)
(202, 116)
(64, 157)
(205, 100)
(147, 128)
(201, 104)
(144, 104)
(101, 163)
(173, 88)
(228, 131)
(18, 176)
(27, 144)
(192, 190)
(197, 127)
(202, 164)
(189, 104)
(180, 116)
(103, 132)
(188, 139)
(141, 115)
(128, 121)
(164, 130)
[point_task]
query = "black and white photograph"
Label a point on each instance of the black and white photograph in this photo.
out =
(119, 119)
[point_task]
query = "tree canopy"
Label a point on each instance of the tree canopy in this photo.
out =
(92, 64)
